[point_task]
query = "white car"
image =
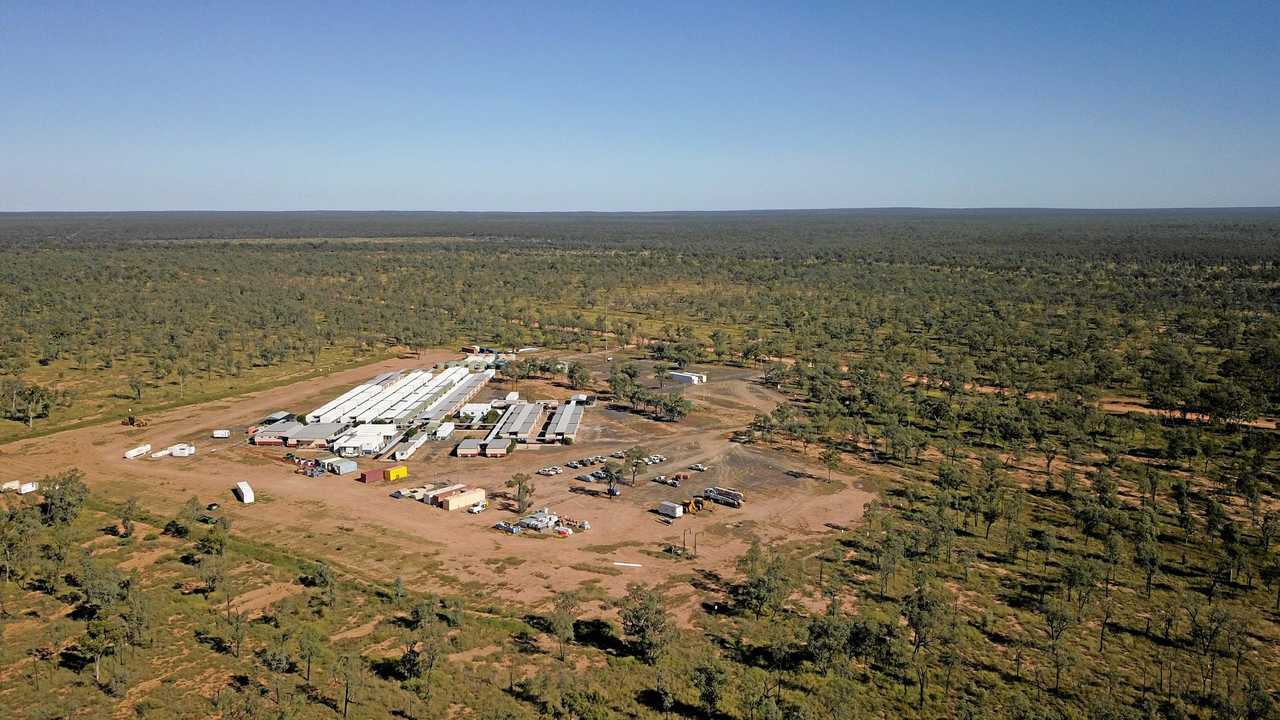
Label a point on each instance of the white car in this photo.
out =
(478, 508)
(699, 467)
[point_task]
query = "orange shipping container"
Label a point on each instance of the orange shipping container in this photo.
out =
(398, 472)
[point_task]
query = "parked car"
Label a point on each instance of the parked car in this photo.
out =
(573, 464)
(618, 454)
(478, 508)
(699, 467)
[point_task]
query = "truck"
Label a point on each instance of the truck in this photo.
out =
(724, 496)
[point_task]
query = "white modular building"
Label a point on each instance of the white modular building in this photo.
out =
(365, 440)
(409, 447)
(688, 378)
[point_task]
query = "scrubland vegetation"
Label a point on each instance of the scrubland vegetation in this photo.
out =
(1074, 414)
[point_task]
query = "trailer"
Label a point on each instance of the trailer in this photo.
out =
(28, 487)
(135, 453)
(161, 454)
(182, 450)
(670, 509)
(724, 496)
(221, 434)
(244, 493)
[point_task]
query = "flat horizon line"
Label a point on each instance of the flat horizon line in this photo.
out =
(868, 208)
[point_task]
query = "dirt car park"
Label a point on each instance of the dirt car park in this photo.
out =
(365, 531)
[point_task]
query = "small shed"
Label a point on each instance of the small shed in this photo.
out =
(342, 466)
(399, 472)
(243, 492)
(497, 448)
(468, 448)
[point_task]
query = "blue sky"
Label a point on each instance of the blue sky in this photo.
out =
(645, 106)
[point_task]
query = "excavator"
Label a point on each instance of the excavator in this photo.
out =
(697, 505)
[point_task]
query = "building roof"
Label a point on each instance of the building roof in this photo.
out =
(316, 431)
(280, 429)
(469, 444)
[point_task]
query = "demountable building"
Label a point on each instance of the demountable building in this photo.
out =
(244, 492)
(688, 378)
(463, 499)
(135, 453)
(670, 509)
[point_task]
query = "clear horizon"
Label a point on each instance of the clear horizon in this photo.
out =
(666, 108)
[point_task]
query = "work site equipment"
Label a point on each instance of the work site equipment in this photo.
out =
(135, 421)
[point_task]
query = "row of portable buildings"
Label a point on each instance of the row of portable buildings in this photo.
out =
(402, 398)
(525, 422)
(447, 497)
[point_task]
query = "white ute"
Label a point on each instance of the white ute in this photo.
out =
(478, 507)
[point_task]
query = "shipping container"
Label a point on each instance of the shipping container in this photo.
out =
(161, 453)
(399, 472)
(222, 434)
(370, 476)
(11, 486)
(30, 487)
(463, 499)
(244, 492)
(137, 452)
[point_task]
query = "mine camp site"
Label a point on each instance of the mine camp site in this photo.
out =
(400, 469)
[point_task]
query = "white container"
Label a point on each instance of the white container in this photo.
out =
(137, 452)
(11, 486)
(670, 509)
(222, 434)
(161, 453)
(182, 450)
(444, 431)
(244, 492)
(30, 487)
